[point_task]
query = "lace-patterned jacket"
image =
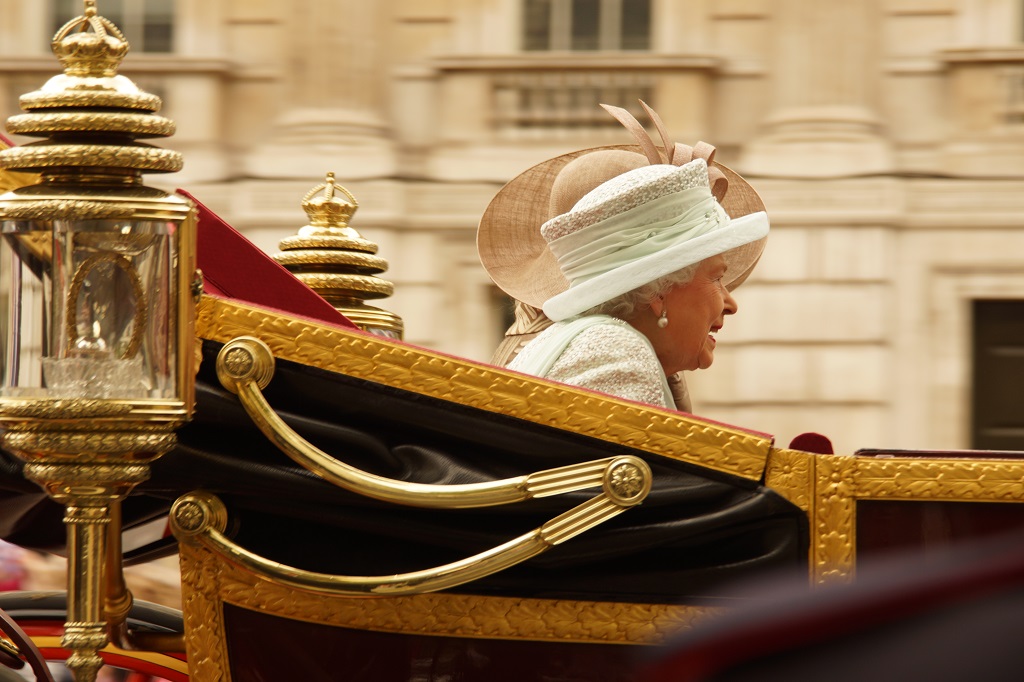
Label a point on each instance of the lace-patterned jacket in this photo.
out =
(600, 353)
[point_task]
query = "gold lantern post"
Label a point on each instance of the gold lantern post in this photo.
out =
(98, 368)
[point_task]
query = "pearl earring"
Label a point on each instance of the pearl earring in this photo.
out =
(663, 320)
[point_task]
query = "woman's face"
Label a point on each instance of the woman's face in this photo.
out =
(696, 311)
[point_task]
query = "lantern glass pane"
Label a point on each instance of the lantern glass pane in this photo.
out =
(109, 331)
(25, 253)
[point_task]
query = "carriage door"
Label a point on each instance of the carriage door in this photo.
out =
(998, 367)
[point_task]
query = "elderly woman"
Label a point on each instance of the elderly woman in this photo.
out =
(649, 258)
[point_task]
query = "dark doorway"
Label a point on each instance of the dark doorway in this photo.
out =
(998, 403)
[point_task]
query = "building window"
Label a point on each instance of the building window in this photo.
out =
(998, 422)
(147, 24)
(586, 25)
(562, 101)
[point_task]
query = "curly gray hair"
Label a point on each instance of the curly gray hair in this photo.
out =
(628, 303)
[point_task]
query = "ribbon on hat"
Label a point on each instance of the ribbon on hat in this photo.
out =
(680, 153)
(631, 236)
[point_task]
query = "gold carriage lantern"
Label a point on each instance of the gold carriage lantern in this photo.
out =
(97, 371)
(101, 265)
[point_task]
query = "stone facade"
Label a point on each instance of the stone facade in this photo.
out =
(885, 136)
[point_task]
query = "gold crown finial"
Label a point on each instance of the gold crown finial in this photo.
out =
(325, 210)
(91, 116)
(335, 261)
(90, 45)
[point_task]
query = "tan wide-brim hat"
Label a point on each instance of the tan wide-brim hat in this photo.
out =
(516, 256)
(611, 246)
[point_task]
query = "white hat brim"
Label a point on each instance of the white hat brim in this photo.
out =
(737, 233)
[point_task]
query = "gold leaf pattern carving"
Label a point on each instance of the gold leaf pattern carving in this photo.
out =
(209, 580)
(840, 482)
(203, 616)
(789, 472)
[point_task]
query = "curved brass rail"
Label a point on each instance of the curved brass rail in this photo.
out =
(200, 518)
(245, 366)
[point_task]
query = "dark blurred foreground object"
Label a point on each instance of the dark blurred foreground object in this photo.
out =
(957, 618)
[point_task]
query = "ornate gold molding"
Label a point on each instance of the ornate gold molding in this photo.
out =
(330, 257)
(141, 125)
(961, 480)
(203, 616)
(15, 410)
(829, 487)
(208, 581)
(328, 281)
(144, 159)
(839, 483)
(833, 524)
(62, 209)
(791, 474)
(141, 101)
(64, 477)
(670, 434)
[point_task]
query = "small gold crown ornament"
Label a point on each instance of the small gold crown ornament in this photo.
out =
(335, 261)
(91, 115)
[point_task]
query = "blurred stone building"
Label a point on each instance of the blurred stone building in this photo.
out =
(885, 136)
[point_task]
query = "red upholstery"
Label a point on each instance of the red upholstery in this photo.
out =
(812, 442)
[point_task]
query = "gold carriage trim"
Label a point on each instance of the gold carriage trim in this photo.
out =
(208, 580)
(828, 488)
(379, 360)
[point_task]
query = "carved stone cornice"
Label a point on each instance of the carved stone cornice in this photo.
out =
(548, 61)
